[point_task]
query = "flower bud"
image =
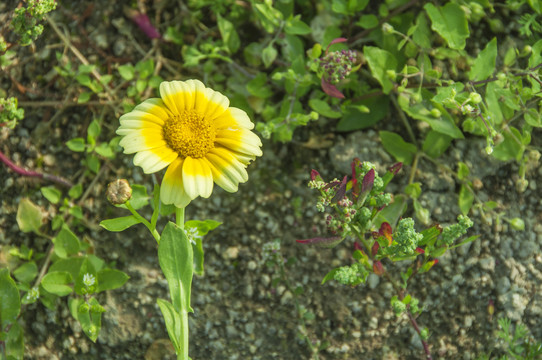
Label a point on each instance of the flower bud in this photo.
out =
(517, 224)
(387, 28)
(475, 98)
(436, 113)
(119, 191)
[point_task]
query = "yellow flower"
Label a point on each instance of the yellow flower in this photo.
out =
(193, 132)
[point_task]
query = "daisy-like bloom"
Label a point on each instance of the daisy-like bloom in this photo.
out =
(193, 132)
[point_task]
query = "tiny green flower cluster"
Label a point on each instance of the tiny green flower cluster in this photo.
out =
(351, 275)
(26, 20)
(271, 252)
(405, 237)
(9, 113)
(398, 306)
(453, 232)
(337, 65)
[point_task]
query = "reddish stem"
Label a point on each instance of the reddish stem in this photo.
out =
(19, 170)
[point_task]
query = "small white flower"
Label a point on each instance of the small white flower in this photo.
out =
(33, 294)
(192, 234)
(89, 280)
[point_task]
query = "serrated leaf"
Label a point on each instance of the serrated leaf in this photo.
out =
(450, 22)
(484, 65)
(29, 216)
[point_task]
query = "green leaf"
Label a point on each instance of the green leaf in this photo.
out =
(176, 261)
(380, 61)
(462, 171)
(89, 316)
(104, 150)
(229, 34)
(83, 79)
(75, 191)
(15, 342)
(324, 109)
(120, 223)
(10, 301)
(172, 320)
(203, 226)
(56, 282)
(139, 197)
(330, 275)
(87, 268)
(295, 26)
(436, 143)
(109, 279)
(76, 144)
(66, 243)
(51, 193)
(536, 54)
(450, 22)
(83, 98)
(29, 216)
(26, 272)
(269, 55)
(392, 212)
(71, 265)
(94, 129)
(145, 69)
(511, 147)
(126, 71)
(394, 144)
(259, 86)
(484, 65)
(357, 117)
(466, 198)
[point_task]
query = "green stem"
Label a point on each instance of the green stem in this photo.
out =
(179, 217)
(183, 355)
(154, 233)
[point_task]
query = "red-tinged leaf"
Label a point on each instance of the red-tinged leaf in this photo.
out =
(341, 192)
(420, 250)
(357, 246)
(378, 268)
(142, 20)
(315, 174)
(375, 248)
(385, 230)
(336, 41)
(395, 168)
(331, 90)
(322, 242)
(368, 181)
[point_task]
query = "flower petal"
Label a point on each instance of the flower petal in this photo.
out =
(154, 160)
(138, 140)
(180, 95)
(211, 103)
(227, 170)
(240, 140)
(233, 117)
(172, 189)
(197, 178)
(151, 110)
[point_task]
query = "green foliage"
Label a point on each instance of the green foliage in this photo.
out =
(26, 20)
(10, 114)
(519, 344)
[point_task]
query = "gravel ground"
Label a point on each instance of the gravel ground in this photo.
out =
(240, 313)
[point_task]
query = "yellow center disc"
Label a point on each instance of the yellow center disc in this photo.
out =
(190, 134)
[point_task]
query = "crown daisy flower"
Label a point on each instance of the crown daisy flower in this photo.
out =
(191, 130)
